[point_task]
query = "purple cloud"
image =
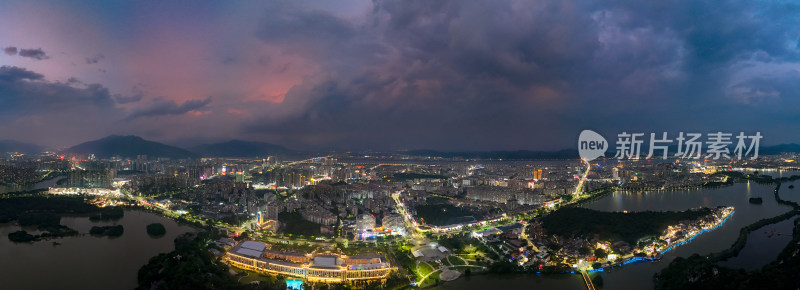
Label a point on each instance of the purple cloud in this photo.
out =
(163, 107)
(10, 50)
(37, 53)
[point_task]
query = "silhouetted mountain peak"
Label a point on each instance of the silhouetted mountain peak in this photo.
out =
(129, 146)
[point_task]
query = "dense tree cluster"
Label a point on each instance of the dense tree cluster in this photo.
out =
(108, 213)
(615, 226)
(11, 208)
(156, 230)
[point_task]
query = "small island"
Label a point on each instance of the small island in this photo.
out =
(156, 230)
(756, 200)
(110, 231)
(48, 223)
(49, 231)
(21, 237)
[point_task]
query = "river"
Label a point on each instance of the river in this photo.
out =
(761, 251)
(85, 262)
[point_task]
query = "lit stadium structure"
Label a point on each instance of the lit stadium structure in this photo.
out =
(327, 268)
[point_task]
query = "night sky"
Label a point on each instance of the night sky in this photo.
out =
(384, 75)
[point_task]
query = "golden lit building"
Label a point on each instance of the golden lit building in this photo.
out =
(327, 268)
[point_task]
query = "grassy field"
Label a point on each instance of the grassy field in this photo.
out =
(455, 261)
(423, 269)
(431, 279)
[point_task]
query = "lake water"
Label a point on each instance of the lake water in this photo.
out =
(85, 262)
(759, 250)
(39, 185)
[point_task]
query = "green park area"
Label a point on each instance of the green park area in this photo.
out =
(456, 261)
(440, 212)
(466, 255)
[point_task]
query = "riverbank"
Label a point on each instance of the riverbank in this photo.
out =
(692, 224)
(727, 214)
(638, 275)
(744, 232)
(678, 273)
(699, 272)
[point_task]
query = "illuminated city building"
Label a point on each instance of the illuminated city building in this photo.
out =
(314, 267)
(365, 222)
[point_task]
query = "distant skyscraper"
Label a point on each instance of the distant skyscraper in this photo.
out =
(538, 174)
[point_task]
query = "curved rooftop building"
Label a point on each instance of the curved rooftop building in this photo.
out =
(327, 268)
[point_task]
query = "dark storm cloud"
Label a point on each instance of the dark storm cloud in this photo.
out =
(25, 92)
(128, 99)
(13, 74)
(37, 53)
(95, 59)
(10, 50)
(31, 105)
(288, 23)
(507, 74)
(136, 95)
(164, 107)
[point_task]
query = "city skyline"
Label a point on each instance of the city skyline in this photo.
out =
(387, 144)
(385, 76)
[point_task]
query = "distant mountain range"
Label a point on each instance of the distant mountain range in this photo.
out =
(132, 146)
(573, 153)
(239, 148)
(518, 154)
(14, 146)
(129, 147)
(778, 149)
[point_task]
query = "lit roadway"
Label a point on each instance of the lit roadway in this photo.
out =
(310, 160)
(524, 235)
(585, 175)
(412, 230)
(586, 280)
